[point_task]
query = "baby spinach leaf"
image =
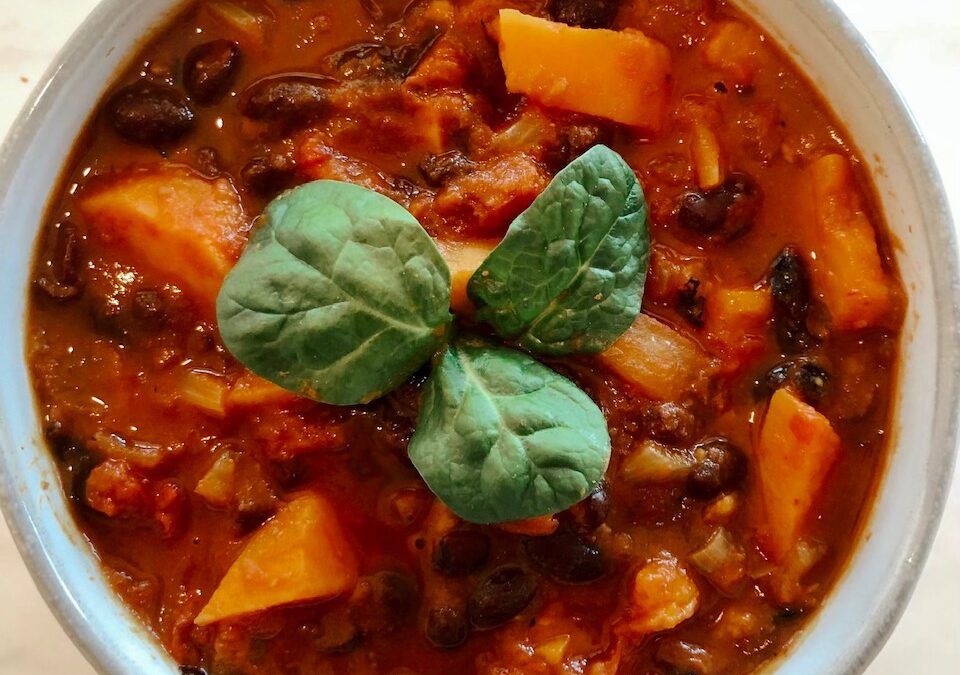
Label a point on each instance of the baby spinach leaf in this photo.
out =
(340, 295)
(502, 437)
(568, 276)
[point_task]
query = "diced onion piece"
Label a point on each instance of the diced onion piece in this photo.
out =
(707, 158)
(652, 462)
(136, 453)
(786, 582)
(205, 391)
(250, 25)
(720, 560)
(218, 485)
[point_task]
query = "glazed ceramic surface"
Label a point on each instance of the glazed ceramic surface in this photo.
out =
(866, 603)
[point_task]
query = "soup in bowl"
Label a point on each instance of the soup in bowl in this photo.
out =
(502, 337)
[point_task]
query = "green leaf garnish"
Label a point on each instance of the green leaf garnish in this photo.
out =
(339, 296)
(568, 276)
(502, 437)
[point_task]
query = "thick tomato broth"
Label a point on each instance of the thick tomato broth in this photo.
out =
(114, 344)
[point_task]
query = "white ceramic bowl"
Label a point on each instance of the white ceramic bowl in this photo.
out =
(867, 602)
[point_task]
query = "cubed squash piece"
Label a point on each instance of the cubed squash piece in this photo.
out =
(847, 269)
(659, 361)
(736, 320)
(463, 258)
(796, 450)
(622, 76)
(299, 555)
(186, 228)
(734, 48)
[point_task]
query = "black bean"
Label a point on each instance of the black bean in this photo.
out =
(790, 288)
(724, 212)
(684, 658)
(210, 69)
(192, 670)
(500, 596)
(775, 378)
(150, 113)
(566, 557)
(806, 377)
(60, 277)
(592, 512)
(292, 101)
(813, 382)
(438, 170)
(335, 633)
(461, 552)
(720, 466)
(77, 462)
(447, 627)
(690, 304)
(269, 174)
(585, 13)
(376, 60)
(393, 600)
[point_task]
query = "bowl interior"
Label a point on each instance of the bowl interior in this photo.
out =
(867, 602)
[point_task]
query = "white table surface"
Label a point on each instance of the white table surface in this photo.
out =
(918, 41)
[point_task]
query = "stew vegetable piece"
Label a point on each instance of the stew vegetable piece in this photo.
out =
(378, 336)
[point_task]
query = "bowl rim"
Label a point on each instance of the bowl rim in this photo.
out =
(939, 227)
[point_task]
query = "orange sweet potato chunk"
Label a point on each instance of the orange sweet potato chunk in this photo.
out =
(736, 320)
(659, 361)
(847, 269)
(185, 227)
(299, 555)
(622, 76)
(796, 451)
(734, 49)
(463, 258)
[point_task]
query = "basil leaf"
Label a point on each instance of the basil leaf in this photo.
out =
(568, 276)
(502, 437)
(340, 295)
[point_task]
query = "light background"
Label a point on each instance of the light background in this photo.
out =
(918, 42)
